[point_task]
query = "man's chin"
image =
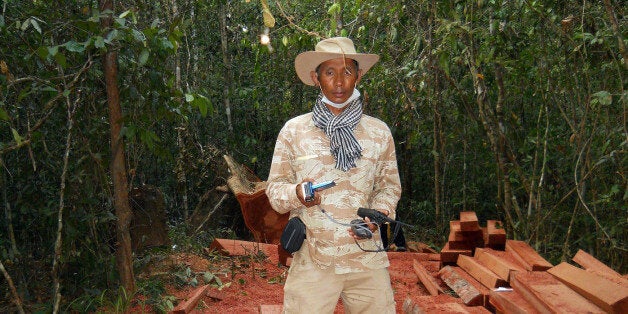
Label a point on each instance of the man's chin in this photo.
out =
(338, 100)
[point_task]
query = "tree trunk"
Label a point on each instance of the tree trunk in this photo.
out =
(13, 252)
(56, 261)
(193, 54)
(436, 147)
(338, 20)
(226, 91)
(487, 116)
(616, 31)
(437, 125)
(510, 202)
(124, 261)
(181, 130)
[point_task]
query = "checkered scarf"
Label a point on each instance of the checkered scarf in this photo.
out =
(339, 129)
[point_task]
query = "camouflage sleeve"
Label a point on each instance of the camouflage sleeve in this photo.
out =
(387, 187)
(281, 189)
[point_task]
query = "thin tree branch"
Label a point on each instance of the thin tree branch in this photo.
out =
(581, 197)
(224, 197)
(57, 252)
(48, 108)
(294, 25)
(17, 300)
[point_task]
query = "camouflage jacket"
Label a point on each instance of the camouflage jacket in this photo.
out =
(302, 151)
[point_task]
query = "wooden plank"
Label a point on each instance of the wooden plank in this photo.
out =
(426, 279)
(606, 294)
(548, 295)
(511, 302)
(479, 272)
(465, 240)
(216, 294)
(450, 256)
(497, 263)
(592, 264)
(495, 236)
(472, 293)
(434, 257)
(454, 225)
(527, 256)
(188, 305)
(442, 303)
(469, 221)
(242, 248)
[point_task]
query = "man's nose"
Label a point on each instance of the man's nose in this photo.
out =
(338, 80)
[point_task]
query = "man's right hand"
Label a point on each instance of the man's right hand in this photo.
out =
(299, 190)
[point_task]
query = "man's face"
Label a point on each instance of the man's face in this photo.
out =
(337, 78)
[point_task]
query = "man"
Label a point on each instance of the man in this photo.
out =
(336, 141)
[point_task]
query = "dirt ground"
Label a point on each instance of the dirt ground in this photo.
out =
(250, 281)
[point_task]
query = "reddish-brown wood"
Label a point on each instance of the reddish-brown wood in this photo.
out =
(468, 289)
(469, 221)
(188, 305)
(606, 294)
(454, 226)
(533, 292)
(592, 264)
(124, 215)
(450, 256)
(527, 256)
(510, 302)
(548, 295)
(215, 294)
(426, 279)
(465, 240)
(494, 261)
(260, 218)
(239, 248)
(442, 303)
(480, 273)
(495, 235)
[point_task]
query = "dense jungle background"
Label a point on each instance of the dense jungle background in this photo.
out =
(514, 109)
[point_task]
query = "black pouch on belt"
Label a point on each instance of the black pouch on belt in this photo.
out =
(293, 235)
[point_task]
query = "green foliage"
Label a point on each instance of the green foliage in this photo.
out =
(94, 300)
(560, 119)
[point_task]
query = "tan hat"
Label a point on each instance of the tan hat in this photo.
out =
(328, 49)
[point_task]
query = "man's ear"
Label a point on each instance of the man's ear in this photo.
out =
(357, 80)
(314, 77)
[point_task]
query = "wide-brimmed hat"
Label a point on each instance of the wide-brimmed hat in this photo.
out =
(327, 49)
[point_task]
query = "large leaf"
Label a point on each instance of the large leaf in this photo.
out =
(74, 46)
(16, 136)
(3, 113)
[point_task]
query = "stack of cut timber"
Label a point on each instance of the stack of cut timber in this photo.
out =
(466, 234)
(473, 278)
(509, 276)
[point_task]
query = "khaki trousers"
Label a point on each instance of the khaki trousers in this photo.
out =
(309, 289)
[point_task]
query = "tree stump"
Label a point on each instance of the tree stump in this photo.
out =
(148, 226)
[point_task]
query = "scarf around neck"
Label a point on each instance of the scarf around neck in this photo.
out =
(340, 131)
